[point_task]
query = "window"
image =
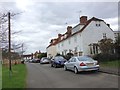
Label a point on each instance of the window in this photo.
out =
(96, 47)
(62, 53)
(65, 52)
(97, 24)
(72, 60)
(62, 44)
(75, 49)
(70, 51)
(85, 58)
(69, 40)
(116, 36)
(93, 49)
(104, 36)
(75, 38)
(58, 45)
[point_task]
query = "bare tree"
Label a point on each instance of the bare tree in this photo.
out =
(4, 34)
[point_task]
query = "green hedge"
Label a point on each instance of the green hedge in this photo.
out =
(106, 57)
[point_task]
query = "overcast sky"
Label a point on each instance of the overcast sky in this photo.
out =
(39, 22)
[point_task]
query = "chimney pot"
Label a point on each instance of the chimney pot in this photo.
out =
(69, 30)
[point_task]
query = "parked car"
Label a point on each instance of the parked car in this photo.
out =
(81, 63)
(31, 60)
(22, 61)
(44, 60)
(58, 61)
(34, 61)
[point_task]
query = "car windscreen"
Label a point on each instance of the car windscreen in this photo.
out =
(85, 59)
(44, 58)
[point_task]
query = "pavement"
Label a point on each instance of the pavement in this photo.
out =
(110, 70)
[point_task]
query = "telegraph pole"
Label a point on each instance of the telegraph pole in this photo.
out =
(22, 51)
(9, 38)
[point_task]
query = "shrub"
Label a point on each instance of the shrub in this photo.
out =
(68, 56)
(106, 57)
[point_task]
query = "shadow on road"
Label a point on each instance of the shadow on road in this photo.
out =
(86, 72)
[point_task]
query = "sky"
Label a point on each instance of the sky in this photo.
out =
(40, 21)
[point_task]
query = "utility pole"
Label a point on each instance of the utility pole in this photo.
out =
(22, 51)
(9, 38)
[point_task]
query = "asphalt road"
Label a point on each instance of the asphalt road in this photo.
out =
(44, 76)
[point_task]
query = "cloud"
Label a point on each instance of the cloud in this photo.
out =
(39, 22)
(113, 22)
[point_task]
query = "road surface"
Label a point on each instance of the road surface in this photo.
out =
(44, 76)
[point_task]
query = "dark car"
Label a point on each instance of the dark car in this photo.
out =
(58, 61)
(44, 60)
(35, 60)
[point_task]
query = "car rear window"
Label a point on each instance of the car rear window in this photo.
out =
(59, 58)
(85, 59)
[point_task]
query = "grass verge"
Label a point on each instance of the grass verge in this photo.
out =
(17, 79)
(114, 64)
(0, 76)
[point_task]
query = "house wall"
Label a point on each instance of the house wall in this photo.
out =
(77, 28)
(70, 44)
(91, 34)
(51, 51)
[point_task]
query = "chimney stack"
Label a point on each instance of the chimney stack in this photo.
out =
(108, 25)
(83, 20)
(59, 35)
(69, 30)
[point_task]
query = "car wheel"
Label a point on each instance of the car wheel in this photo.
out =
(75, 70)
(97, 70)
(65, 68)
(51, 65)
(55, 65)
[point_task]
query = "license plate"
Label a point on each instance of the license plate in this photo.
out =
(90, 64)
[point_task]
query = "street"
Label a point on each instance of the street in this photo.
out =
(44, 76)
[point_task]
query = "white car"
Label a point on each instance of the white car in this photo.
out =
(81, 63)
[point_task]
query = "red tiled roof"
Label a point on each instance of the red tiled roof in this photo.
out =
(87, 23)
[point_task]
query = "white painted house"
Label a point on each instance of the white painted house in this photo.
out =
(83, 38)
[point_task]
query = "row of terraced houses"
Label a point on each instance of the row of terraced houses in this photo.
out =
(81, 39)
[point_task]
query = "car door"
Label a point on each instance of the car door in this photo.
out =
(68, 63)
(73, 61)
(71, 64)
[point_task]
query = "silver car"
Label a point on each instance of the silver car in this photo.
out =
(81, 63)
(44, 60)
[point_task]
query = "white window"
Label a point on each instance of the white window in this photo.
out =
(69, 41)
(62, 44)
(75, 38)
(58, 45)
(97, 23)
(104, 36)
